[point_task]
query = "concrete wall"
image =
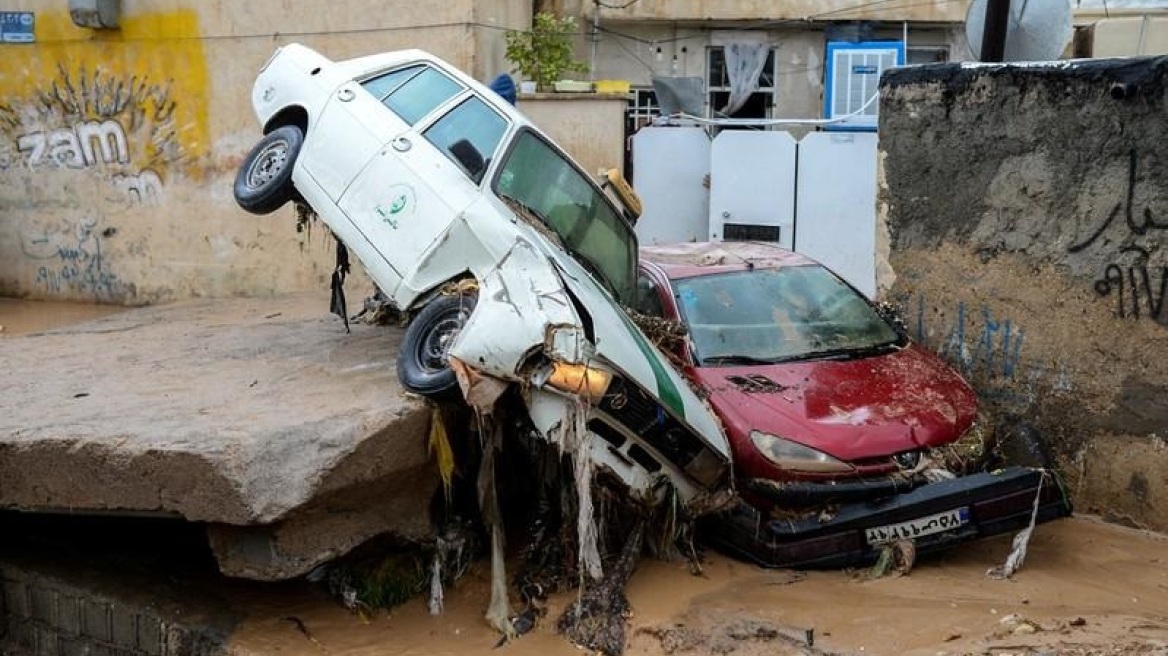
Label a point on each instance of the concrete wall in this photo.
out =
(1028, 216)
(1133, 35)
(672, 38)
(118, 147)
(707, 10)
(589, 126)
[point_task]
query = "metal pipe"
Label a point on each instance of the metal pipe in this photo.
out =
(595, 39)
(993, 36)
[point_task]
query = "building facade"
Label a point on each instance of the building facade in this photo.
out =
(119, 143)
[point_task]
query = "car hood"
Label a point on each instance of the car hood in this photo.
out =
(625, 348)
(851, 409)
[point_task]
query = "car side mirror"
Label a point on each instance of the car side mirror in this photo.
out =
(469, 157)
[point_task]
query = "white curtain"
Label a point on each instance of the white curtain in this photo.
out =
(744, 62)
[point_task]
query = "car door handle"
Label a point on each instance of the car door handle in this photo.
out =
(401, 144)
(345, 95)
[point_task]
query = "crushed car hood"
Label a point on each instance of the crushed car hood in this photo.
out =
(623, 346)
(851, 409)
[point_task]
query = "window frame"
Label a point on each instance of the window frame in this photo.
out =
(512, 141)
(423, 127)
(422, 66)
(770, 92)
(910, 50)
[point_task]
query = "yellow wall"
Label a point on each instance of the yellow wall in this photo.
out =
(118, 148)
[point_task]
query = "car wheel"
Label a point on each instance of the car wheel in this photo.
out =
(264, 181)
(422, 365)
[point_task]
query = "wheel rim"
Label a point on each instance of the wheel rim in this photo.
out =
(434, 347)
(267, 164)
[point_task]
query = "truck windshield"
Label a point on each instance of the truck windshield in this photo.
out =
(540, 179)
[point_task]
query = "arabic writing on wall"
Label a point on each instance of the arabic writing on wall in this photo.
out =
(995, 349)
(1136, 288)
(71, 261)
(987, 349)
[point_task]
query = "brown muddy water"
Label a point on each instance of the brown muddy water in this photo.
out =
(19, 317)
(1087, 587)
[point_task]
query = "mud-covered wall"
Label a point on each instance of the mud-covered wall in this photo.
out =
(118, 147)
(1028, 215)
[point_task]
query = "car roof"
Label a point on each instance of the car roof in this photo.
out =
(689, 259)
(360, 67)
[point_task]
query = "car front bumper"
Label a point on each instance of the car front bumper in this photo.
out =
(995, 503)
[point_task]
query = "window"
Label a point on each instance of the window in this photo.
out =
(926, 54)
(535, 179)
(718, 87)
(384, 85)
(469, 135)
(642, 109)
(412, 92)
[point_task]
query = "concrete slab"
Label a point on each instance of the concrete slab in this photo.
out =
(261, 417)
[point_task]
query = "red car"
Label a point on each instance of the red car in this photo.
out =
(826, 404)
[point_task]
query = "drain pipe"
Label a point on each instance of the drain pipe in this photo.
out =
(595, 39)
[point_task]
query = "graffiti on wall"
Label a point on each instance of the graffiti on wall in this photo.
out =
(122, 128)
(987, 349)
(70, 260)
(1136, 287)
(93, 133)
(991, 346)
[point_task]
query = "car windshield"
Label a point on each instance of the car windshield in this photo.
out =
(779, 315)
(538, 178)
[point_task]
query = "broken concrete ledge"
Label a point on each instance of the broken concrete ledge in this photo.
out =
(263, 418)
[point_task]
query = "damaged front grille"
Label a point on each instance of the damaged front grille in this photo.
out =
(645, 417)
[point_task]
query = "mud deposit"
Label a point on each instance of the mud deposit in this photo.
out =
(1086, 587)
(19, 317)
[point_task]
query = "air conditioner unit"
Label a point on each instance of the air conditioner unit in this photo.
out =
(853, 78)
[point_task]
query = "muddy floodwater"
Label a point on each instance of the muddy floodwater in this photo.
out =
(1087, 587)
(19, 317)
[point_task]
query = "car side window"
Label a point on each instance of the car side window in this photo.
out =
(414, 91)
(469, 135)
(383, 85)
(648, 300)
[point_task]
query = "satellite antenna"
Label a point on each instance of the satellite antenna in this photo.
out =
(1037, 30)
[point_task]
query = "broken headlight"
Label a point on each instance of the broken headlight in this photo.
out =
(794, 456)
(581, 379)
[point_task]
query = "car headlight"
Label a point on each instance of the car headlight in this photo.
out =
(581, 379)
(794, 456)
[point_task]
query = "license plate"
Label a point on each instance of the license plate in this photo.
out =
(916, 528)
